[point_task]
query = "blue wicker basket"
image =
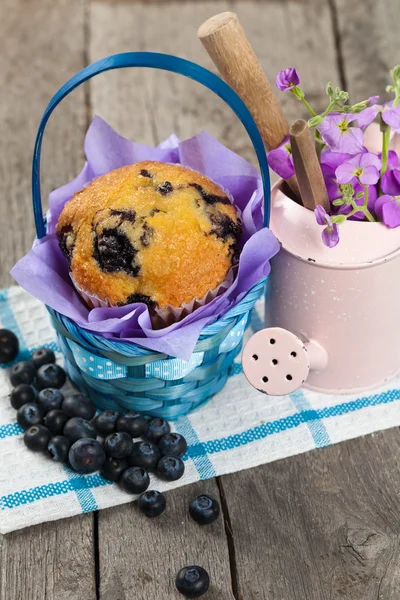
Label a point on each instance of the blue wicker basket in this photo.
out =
(125, 376)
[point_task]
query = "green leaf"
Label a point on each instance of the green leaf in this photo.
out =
(359, 195)
(338, 202)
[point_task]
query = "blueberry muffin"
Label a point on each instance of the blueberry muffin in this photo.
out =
(150, 232)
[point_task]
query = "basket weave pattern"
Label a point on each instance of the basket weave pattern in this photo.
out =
(124, 376)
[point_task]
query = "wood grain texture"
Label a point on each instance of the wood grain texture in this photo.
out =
(140, 557)
(53, 561)
(369, 44)
(41, 45)
(322, 525)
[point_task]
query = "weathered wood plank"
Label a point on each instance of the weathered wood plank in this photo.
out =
(53, 561)
(41, 45)
(140, 557)
(369, 44)
(322, 525)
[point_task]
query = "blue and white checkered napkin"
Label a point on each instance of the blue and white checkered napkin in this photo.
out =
(238, 429)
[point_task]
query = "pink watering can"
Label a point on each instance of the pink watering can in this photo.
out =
(332, 315)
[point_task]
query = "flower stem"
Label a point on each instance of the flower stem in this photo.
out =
(385, 145)
(308, 107)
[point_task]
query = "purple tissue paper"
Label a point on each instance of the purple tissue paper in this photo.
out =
(44, 272)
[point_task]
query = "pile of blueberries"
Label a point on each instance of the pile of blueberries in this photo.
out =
(124, 448)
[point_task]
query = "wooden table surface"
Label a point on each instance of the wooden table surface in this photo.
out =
(320, 526)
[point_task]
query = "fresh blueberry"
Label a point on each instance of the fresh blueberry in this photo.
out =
(118, 445)
(170, 468)
(204, 509)
(55, 421)
(79, 406)
(192, 582)
(58, 448)
(77, 428)
(36, 438)
(156, 429)
(21, 395)
(113, 468)
(50, 376)
(22, 372)
(145, 455)
(49, 398)
(29, 414)
(132, 423)
(106, 422)
(173, 444)
(86, 456)
(135, 480)
(9, 346)
(152, 503)
(43, 356)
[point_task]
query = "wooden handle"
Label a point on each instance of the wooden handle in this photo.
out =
(306, 164)
(225, 41)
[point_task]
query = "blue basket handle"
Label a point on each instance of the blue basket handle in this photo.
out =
(155, 61)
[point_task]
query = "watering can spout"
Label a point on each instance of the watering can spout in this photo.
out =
(277, 362)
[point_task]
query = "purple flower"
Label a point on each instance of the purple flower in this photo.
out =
(281, 160)
(391, 116)
(287, 79)
(387, 208)
(366, 116)
(390, 183)
(329, 163)
(339, 136)
(330, 235)
(365, 166)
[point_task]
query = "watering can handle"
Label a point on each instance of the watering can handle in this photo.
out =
(156, 61)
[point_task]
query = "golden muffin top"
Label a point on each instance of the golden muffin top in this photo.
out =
(151, 232)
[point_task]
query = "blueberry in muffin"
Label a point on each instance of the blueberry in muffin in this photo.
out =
(149, 232)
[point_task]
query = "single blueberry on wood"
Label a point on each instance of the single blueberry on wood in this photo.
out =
(29, 414)
(79, 406)
(135, 480)
(55, 421)
(58, 448)
(22, 394)
(49, 399)
(192, 582)
(50, 376)
(36, 438)
(86, 456)
(43, 356)
(22, 372)
(152, 503)
(9, 346)
(78, 428)
(204, 509)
